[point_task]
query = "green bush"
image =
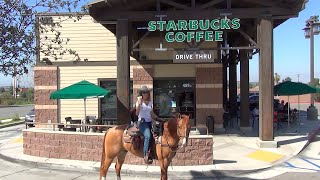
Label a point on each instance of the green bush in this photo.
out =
(16, 117)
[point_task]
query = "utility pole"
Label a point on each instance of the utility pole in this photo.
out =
(14, 83)
(312, 28)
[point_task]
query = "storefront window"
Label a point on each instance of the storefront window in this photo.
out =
(172, 96)
(108, 104)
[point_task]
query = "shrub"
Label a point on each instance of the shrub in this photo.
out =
(16, 117)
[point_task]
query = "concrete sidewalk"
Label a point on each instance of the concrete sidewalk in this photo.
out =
(235, 152)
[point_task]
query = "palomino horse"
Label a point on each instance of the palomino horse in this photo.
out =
(174, 130)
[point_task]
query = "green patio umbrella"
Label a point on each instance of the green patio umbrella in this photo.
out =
(289, 88)
(81, 90)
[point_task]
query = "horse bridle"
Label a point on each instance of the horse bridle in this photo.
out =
(174, 149)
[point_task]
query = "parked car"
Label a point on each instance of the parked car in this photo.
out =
(250, 94)
(30, 117)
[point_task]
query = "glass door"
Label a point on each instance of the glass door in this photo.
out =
(174, 96)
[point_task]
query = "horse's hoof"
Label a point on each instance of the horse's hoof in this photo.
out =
(118, 178)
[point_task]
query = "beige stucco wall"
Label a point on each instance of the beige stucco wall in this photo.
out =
(71, 75)
(174, 70)
(89, 39)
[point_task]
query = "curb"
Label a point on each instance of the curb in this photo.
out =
(12, 124)
(311, 137)
(7, 106)
(140, 173)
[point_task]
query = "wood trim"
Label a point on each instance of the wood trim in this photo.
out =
(211, 3)
(79, 63)
(46, 68)
(142, 67)
(209, 106)
(216, 65)
(45, 87)
(45, 106)
(244, 13)
(209, 86)
(174, 4)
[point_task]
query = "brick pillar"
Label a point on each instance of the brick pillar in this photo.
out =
(142, 75)
(45, 82)
(209, 93)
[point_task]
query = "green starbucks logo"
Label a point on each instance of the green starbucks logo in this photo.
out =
(207, 30)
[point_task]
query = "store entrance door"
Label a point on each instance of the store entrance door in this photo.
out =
(175, 96)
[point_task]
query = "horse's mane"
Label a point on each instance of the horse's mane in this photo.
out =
(170, 126)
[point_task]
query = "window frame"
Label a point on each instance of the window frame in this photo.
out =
(99, 99)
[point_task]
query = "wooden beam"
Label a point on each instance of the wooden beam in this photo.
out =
(192, 49)
(193, 3)
(233, 84)
(209, 4)
(197, 44)
(123, 72)
(141, 39)
(266, 83)
(158, 5)
(269, 3)
(244, 13)
(244, 89)
(174, 4)
(247, 37)
(188, 44)
(229, 4)
(138, 4)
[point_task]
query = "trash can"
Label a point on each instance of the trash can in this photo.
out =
(210, 124)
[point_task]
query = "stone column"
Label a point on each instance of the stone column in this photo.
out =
(45, 83)
(123, 71)
(265, 42)
(209, 92)
(244, 90)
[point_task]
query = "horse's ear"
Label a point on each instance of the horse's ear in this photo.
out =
(179, 116)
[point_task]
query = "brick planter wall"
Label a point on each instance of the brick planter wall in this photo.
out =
(88, 147)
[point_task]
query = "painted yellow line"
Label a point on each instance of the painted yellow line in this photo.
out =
(18, 140)
(265, 156)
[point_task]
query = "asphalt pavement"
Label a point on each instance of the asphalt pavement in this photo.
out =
(10, 133)
(9, 112)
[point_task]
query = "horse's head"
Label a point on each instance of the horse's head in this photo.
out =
(183, 128)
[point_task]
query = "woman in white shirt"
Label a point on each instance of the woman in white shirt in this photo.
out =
(144, 107)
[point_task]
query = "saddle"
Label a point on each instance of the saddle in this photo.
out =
(133, 135)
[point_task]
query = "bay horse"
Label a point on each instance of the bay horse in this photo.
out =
(174, 130)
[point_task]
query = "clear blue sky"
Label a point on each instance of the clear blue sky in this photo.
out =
(291, 49)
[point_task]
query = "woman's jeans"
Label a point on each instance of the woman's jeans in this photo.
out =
(145, 128)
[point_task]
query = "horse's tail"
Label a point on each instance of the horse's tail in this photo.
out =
(103, 156)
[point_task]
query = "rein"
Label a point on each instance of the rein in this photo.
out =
(174, 148)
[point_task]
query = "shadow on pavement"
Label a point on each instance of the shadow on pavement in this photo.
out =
(289, 141)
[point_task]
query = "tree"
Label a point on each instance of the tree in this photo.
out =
(287, 79)
(2, 89)
(276, 78)
(316, 82)
(19, 24)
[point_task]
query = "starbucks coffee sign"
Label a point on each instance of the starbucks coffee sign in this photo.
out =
(194, 30)
(201, 56)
